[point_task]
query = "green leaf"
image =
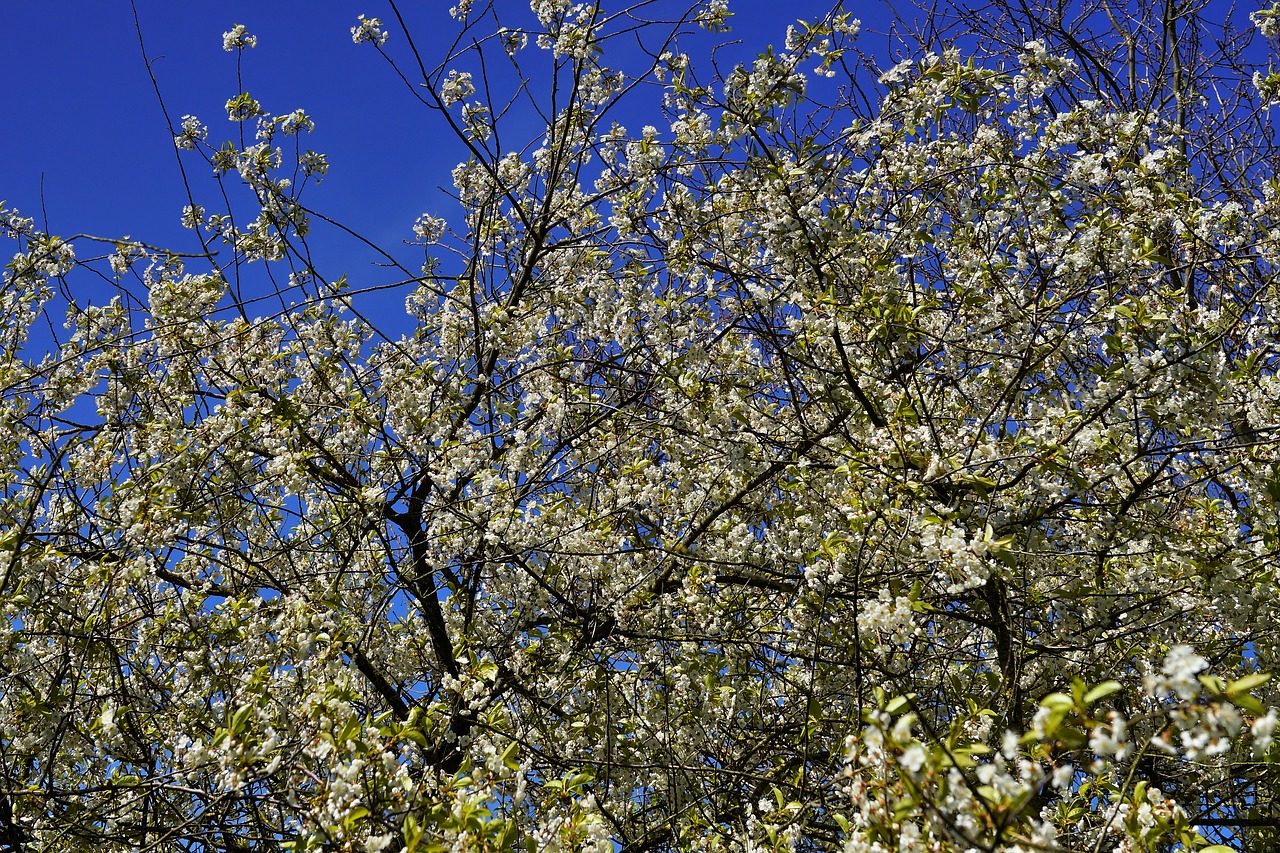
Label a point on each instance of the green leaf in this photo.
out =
(1058, 701)
(507, 835)
(238, 719)
(510, 756)
(1247, 684)
(1213, 685)
(1102, 691)
(412, 833)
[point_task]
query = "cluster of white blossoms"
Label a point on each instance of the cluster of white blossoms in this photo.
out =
(549, 11)
(1178, 674)
(48, 257)
(887, 766)
(313, 163)
(14, 225)
(645, 154)
(961, 557)
(1267, 21)
(429, 228)
(192, 216)
(193, 133)
(1143, 818)
(238, 38)
(1111, 740)
(127, 253)
(888, 618)
(513, 41)
(1263, 731)
(369, 30)
(457, 87)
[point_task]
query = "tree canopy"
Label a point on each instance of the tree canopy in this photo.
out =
(874, 450)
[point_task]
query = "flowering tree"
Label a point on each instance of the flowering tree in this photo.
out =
(895, 471)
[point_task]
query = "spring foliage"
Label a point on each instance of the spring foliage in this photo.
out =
(853, 457)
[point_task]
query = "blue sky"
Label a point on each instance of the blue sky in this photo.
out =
(86, 144)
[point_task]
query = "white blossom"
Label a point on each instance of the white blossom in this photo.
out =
(369, 30)
(238, 38)
(456, 87)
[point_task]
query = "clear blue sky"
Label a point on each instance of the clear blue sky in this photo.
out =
(85, 139)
